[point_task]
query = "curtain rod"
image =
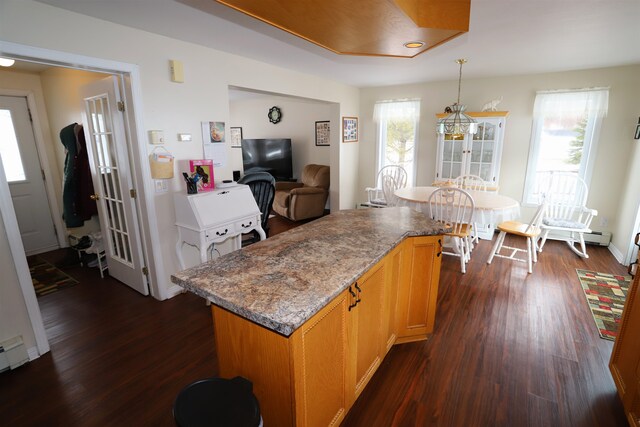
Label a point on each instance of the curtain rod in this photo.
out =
(386, 101)
(586, 89)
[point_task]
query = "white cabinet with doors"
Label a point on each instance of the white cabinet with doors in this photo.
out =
(478, 154)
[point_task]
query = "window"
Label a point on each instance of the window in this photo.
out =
(11, 158)
(564, 135)
(397, 134)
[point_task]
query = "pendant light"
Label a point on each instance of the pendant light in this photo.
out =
(457, 124)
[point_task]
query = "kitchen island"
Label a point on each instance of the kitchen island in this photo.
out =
(308, 315)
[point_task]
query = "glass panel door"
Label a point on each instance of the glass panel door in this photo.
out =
(452, 157)
(482, 151)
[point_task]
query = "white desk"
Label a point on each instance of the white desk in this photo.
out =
(490, 208)
(204, 219)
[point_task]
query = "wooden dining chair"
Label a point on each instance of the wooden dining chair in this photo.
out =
(529, 231)
(454, 207)
(475, 183)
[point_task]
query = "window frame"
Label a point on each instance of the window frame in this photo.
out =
(585, 169)
(381, 141)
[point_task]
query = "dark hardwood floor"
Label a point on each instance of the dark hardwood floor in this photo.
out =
(509, 349)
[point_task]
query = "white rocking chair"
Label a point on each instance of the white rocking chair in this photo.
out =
(566, 213)
(375, 196)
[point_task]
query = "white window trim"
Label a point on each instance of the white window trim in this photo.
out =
(586, 167)
(381, 126)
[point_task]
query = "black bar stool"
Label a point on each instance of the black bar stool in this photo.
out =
(217, 402)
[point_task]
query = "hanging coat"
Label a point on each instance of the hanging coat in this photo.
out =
(77, 206)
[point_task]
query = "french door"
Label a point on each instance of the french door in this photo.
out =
(112, 181)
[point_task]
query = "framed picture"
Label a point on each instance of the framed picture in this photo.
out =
(201, 171)
(322, 134)
(235, 135)
(637, 135)
(349, 129)
(216, 131)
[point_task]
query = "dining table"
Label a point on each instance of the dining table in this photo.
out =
(489, 207)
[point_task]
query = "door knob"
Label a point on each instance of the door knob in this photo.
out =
(94, 197)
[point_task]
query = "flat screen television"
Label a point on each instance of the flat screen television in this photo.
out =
(268, 155)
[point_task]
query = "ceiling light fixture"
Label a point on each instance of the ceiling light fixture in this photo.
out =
(457, 123)
(414, 45)
(6, 62)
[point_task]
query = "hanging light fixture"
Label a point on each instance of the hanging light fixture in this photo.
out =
(457, 124)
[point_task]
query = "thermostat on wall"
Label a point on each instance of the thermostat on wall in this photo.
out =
(156, 137)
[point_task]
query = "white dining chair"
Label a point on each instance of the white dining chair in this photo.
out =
(454, 207)
(530, 231)
(475, 183)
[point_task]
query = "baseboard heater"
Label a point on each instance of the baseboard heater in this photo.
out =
(13, 354)
(600, 238)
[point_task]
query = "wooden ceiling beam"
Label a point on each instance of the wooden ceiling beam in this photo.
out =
(364, 27)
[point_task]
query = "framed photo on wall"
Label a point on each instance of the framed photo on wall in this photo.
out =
(349, 129)
(235, 134)
(323, 134)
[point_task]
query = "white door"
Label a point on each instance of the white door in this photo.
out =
(25, 176)
(112, 180)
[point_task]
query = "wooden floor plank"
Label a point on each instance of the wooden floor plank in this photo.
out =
(509, 349)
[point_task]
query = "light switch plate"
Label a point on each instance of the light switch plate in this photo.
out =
(184, 137)
(161, 186)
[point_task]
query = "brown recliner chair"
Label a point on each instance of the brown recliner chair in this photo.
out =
(306, 199)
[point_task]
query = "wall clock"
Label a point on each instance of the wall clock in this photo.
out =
(275, 115)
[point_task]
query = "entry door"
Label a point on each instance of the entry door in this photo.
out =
(112, 180)
(25, 176)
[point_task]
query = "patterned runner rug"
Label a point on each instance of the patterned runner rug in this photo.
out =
(605, 294)
(47, 278)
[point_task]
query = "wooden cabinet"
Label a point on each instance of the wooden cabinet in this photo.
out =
(625, 358)
(320, 355)
(366, 327)
(312, 377)
(478, 154)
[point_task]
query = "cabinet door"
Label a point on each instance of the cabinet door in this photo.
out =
(320, 361)
(418, 293)
(625, 357)
(450, 157)
(484, 150)
(392, 284)
(366, 320)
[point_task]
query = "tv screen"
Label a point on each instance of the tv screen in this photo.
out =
(268, 155)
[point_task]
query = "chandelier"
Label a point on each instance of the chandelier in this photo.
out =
(457, 124)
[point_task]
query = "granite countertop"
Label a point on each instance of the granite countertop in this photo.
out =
(282, 281)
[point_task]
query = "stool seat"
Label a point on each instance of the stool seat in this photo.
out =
(217, 402)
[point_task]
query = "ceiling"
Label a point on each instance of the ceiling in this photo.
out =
(506, 37)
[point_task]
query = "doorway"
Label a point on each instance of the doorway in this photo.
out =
(25, 176)
(129, 75)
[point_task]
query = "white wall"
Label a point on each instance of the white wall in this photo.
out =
(298, 123)
(14, 319)
(616, 157)
(175, 107)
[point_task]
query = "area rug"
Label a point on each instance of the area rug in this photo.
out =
(47, 278)
(605, 294)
